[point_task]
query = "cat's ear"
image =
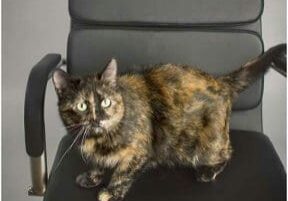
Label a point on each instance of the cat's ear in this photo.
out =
(61, 80)
(110, 73)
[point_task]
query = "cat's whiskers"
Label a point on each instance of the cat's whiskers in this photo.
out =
(65, 129)
(110, 138)
(73, 126)
(69, 148)
(73, 130)
(81, 146)
(84, 136)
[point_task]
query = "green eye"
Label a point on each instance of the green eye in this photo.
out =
(106, 103)
(82, 106)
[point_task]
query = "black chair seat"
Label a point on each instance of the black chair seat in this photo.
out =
(254, 173)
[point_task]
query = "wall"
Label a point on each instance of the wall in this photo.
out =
(34, 28)
(274, 99)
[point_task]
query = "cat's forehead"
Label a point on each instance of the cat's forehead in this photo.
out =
(93, 86)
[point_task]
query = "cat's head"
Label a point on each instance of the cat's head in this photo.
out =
(90, 101)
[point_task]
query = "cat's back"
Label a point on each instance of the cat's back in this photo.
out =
(135, 94)
(184, 101)
(181, 82)
(133, 85)
(179, 76)
(173, 85)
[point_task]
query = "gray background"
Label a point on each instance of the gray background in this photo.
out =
(32, 28)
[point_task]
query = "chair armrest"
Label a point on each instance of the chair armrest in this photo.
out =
(34, 103)
(34, 120)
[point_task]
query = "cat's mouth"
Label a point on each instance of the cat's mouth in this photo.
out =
(98, 129)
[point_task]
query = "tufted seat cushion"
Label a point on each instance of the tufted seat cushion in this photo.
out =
(254, 173)
(166, 12)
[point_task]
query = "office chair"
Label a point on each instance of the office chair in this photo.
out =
(217, 36)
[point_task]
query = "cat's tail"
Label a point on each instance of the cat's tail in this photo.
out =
(240, 79)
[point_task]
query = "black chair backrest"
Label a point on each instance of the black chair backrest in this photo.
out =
(214, 35)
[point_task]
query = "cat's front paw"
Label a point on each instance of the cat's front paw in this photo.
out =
(87, 180)
(105, 195)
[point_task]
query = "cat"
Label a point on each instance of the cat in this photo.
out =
(169, 115)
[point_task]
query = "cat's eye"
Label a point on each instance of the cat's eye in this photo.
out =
(82, 106)
(106, 103)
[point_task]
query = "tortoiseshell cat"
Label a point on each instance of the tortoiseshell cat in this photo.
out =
(171, 114)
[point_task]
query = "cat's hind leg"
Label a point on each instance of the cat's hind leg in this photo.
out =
(214, 149)
(212, 158)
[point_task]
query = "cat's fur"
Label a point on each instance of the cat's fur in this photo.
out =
(171, 114)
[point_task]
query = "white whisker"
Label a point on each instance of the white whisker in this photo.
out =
(73, 125)
(82, 143)
(69, 148)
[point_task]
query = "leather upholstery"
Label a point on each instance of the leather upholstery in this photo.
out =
(90, 50)
(34, 104)
(163, 12)
(249, 120)
(254, 173)
(217, 36)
